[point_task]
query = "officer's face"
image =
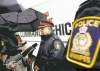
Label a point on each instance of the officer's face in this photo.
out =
(46, 30)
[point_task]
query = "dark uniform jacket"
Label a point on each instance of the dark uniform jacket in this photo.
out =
(50, 53)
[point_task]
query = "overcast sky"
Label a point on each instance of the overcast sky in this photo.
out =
(61, 10)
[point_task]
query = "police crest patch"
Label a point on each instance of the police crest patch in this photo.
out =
(84, 43)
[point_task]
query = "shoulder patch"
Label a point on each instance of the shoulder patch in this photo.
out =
(84, 43)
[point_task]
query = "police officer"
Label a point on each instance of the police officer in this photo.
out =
(51, 50)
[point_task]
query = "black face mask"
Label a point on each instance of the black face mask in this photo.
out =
(45, 37)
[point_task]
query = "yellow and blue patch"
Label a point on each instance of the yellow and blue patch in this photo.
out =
(84, 43)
